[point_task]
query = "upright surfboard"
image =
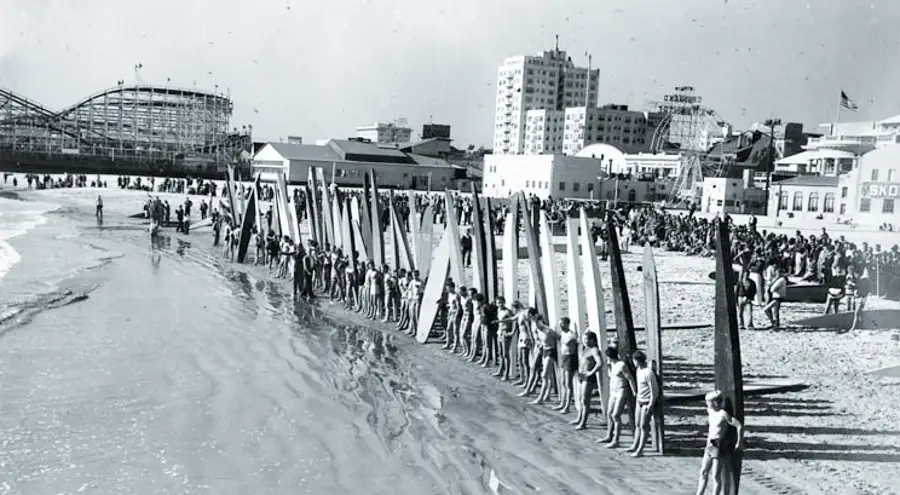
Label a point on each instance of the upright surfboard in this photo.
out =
(359, 239)
(653, 330)
(575, 297)
(594, 303)
(327, 215)
(401, 245)
(310, 216)
(414, 230)
(621, 301)
(276, 208)
(434, 289)
(336, 219)
(511, 255)
(260, 224)
(426, 238)
(284, 214)
(229, 186)
(456, 261)
(247, 228)
(290, 212)
(377, 227)
(550, 271)
(365, 217)
(479, 260)
(315, 211)
(350, 233)
(729, 377)
(490, 250)
(534, 257)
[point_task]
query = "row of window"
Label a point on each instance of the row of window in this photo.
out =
(812, 204)
(887, 205)
(890, 175)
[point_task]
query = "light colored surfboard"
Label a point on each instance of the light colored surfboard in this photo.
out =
(350, 237)
(456, 262)
(327, 215)
(346, 229)
(336, 222)
(246, 228)
(283, 212)
(510, 258)
(534, 258)
(359, 240)
(229, 186)
(594, 303)
(260, 218)
(276, 214)
(574, 279)
(414, 230)
(550, 272)
(377, 247)
(434, 288)
(653, 327)
(426, 238)
(312, 208)
(290, 212)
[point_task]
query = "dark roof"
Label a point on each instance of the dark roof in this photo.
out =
(810, 180)
(305, 152)
(427, 161)
(366, 150)
(410, 146)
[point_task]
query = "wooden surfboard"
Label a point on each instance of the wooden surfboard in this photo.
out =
(310, 216)
(434, 288)
(414, 230)
(594, 303)
(336, 220)
(283, 213)
(574, 283)
(229, 185)
(550, 272)
(260, 219)
(534, 256)
(247, 228)
(621, 302)
(327, 215)
(426, 238)
(314, 212)
(729, 376)
(653, 330)
(365, 215)
(404, 254)
(479, 259)
(350, 236)
(511, 255)
(456, 261)
(276, 209)
(378, 253)
(290, 213)
(359, 239)
(490, 250)
(393, 234)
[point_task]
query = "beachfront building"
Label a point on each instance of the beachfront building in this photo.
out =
(644, 165)
(546, 81)
(571, 130)
(350, 160)
(865, 195)
(385, 133)
(857, 137)
(725, 195)
(818, 161)
(561, 176)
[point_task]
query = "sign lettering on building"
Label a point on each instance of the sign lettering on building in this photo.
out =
(880, 190)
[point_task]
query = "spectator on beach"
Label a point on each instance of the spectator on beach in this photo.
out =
(777, 293)
(719, 422)
(746, 294)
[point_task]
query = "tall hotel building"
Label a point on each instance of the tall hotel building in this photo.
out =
(548, 81)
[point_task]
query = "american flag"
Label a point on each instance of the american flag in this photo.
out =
(848, 103)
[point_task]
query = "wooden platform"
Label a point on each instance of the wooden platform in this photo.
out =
(874, 319)
(751, 387)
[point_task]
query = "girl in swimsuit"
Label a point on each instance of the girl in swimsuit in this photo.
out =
(587, 372)
(548, 337)
(619, 379)
(569, 356)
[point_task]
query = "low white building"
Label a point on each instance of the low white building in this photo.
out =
(731, 196)
(385, 133)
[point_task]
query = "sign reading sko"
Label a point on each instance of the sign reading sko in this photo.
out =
(880, 190)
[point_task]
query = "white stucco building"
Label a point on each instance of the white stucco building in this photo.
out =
(385, 133)
(546, 81)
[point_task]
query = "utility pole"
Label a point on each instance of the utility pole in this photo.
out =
(771, 123)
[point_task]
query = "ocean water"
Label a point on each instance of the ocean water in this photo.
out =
(128, 371)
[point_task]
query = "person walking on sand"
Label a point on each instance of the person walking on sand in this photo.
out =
(619, 379)
(587, 377)
(646, 395)
(719, 421)
(99, 213)
(777, 292)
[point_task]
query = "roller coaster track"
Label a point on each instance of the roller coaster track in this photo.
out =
(43, 115)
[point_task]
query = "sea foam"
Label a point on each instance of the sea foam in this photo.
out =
(16, 218)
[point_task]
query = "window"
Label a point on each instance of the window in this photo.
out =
(798, 201)
(874, 174)
(843, 209)
(576, 186)
(590, 187)
(783, 201)
(887, 205)
(829, 166)
(865, 205)
(813, 202)
(829, 203)
(844, 192)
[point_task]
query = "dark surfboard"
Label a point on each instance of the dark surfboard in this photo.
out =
(247, 227)
(377, 228)
(534, 256)
(490, 249)
(729, 377)
(627, 342)
(479, 260)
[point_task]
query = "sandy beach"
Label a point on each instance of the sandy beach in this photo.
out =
(320, 400)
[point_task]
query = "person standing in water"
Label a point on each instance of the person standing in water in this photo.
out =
(99, 212)
(719, 422)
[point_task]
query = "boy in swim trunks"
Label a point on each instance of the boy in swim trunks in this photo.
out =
(646, 395)
(506, 328)
(719, 421)
(619, 379)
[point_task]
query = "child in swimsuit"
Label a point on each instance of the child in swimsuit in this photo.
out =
(619, 379)
(719, 421)
(646, 395)
(587, 373)
(569, 356)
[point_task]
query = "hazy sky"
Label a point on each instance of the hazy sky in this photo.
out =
(319, 69)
